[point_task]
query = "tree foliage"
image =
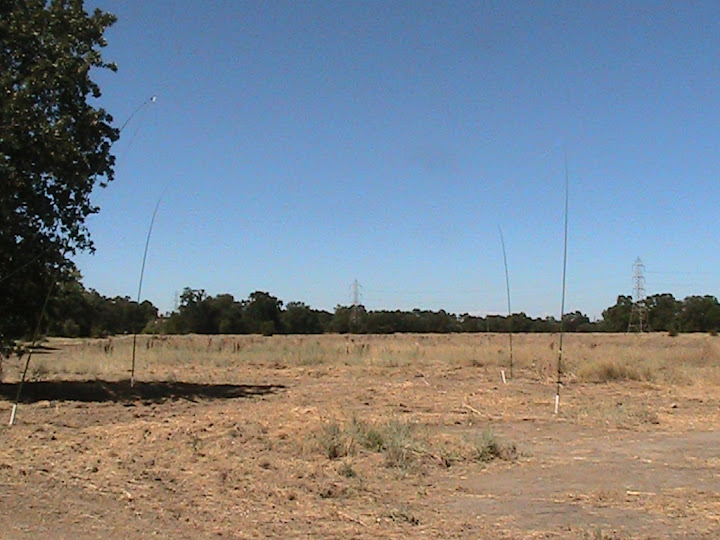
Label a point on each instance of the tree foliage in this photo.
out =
(699, 314)
(74, 311)
(55, 145)
(77, 312)
(299, 318)
(617, 318)
(261, 313)
(662, 312)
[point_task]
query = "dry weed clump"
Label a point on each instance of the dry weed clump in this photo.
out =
(599, 534)
(405, 445)
(487, 447)
(610, 369)
(394, 438)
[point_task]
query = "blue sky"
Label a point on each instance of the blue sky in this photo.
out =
(298, 146)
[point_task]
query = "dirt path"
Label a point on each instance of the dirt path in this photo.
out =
(39, 508)
(644, 485)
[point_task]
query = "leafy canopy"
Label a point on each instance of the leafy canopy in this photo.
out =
(55, 145)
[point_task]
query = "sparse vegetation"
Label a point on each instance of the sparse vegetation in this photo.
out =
(346, 470)
(593, 358)
(487, 448)
(599, 534)
(605, 370)
(404, 444)
(395, 439)
(321, 435)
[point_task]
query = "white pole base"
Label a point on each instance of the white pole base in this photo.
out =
(12, 415)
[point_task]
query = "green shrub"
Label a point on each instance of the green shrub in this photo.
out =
(487, 448)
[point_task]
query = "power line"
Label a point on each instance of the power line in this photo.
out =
(680, 273)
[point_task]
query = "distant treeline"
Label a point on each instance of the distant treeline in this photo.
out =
(76, 312)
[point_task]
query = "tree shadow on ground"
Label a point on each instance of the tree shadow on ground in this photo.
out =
(121, 391)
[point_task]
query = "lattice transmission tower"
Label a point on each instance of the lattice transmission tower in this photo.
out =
(355, 293)
(638, 313)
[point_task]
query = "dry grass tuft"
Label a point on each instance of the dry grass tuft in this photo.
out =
(487, 447)
(405, 445)
(606, 370)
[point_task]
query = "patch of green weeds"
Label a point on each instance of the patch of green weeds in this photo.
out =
(486, 447)
(395, 439)
(403, 445)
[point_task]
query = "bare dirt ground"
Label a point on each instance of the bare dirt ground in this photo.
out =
(339, 437)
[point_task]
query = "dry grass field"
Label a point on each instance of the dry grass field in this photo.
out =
(405, 436)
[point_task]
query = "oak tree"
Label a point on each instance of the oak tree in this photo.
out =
(55, 147)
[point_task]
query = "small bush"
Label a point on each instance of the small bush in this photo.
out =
(401, 446)
(367, 436)
(332, 442)
(395, 439)
(487, 448)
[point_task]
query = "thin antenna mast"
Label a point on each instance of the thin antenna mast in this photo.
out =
(507, 286)
(36, 336)
(564, 273)
(151, 99)
(142, 274)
